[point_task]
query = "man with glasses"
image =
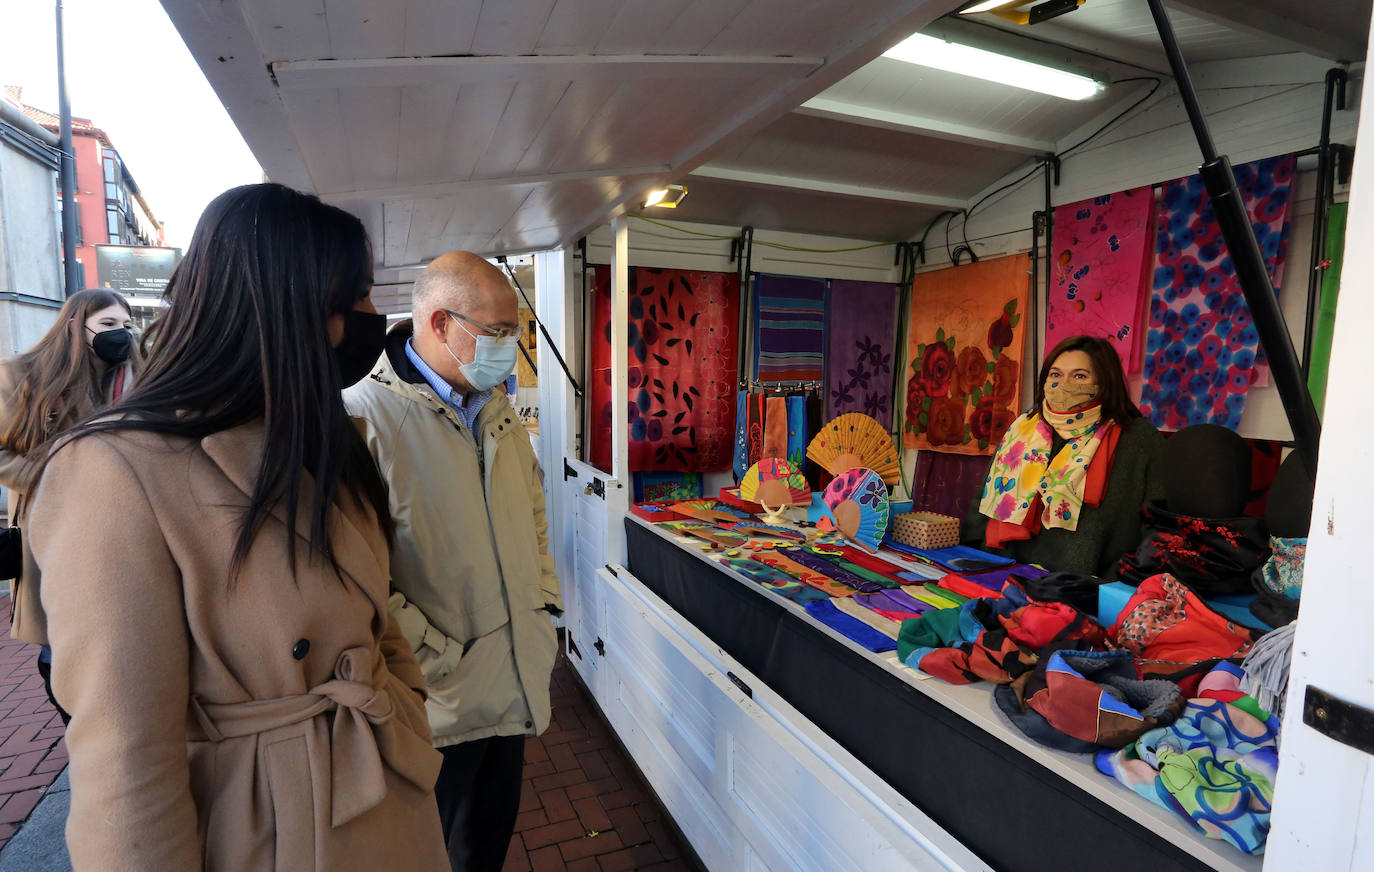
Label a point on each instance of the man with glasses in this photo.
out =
(473, 586)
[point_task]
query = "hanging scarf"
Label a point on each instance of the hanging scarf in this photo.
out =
(754, 428)
(775, 428)
(796, 430)
(1027, 488)
(741, 458)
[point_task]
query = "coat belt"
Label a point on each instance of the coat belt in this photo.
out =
(362, 736)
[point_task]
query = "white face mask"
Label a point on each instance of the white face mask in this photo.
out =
(493, 360)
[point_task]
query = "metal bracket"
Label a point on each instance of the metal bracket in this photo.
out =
(572, 648)
(568, 471)
(1344, 157)
(1053, 161)
(600, 646)
(1337, 719)
(743, 688)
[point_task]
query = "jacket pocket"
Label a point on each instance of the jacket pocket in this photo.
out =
(481, 690)
(293, 803)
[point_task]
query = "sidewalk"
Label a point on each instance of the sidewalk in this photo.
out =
(32, 753)
(584, 808)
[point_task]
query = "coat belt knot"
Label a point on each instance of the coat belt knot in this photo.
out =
(363, 733)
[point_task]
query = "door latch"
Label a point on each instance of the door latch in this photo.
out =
(596, 487)
(600, 646)
(1346, 722)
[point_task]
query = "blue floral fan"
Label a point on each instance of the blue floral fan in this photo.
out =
(858, 500)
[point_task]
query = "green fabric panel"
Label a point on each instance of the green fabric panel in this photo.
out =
(862, 572)
(938, 629)
(1326, 313)
(948, 595)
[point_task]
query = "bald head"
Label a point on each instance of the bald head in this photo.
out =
(457, 280)
(467, 285)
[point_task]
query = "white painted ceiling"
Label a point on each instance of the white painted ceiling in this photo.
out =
(516, 125)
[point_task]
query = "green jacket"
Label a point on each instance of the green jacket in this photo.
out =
(1105, 532)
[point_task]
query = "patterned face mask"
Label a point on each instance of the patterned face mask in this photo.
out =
(1062, 397)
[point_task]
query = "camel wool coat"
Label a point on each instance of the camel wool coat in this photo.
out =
(16, 474)
(275, 723)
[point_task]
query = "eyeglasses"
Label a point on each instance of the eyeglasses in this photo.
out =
(490, 331)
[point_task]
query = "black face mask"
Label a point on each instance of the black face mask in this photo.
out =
(113, 346)
(364, 340)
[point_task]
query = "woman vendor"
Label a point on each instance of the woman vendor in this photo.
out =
(1068, 481)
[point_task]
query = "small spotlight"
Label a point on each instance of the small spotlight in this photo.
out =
(666, 197)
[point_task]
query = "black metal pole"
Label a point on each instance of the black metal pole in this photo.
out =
(1245, 255)
(1051, 166)
(1326, 172)
(68, 171)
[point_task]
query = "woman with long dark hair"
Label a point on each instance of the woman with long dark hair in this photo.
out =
(214, 561)
(86, 360)
(1070, 478)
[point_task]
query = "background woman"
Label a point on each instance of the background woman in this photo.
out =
(86, 361)
(215, 576)
(1071, 476)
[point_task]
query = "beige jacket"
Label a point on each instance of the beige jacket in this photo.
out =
(275, 724)
(16, 474)
(471, 575)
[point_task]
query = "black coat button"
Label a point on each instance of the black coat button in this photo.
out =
(529, 724)
(300, 649)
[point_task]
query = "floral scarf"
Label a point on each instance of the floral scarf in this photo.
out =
(1022, 470)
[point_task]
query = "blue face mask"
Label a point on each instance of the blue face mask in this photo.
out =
(493, 360)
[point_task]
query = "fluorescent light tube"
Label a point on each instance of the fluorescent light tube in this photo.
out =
(989, 6)
(965, 60)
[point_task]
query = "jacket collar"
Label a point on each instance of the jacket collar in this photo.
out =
(359, 546)
(396, 373)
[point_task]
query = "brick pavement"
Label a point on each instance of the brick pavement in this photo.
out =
(32, 753)
(584, 807)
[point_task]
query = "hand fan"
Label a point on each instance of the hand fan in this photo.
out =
(775, 484)
(709, 511)
(856, 441)
(858, 499)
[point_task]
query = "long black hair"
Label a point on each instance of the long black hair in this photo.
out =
(245, 336)
(1111, 382)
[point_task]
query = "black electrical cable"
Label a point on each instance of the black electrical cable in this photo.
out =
(1122, 114)
(1082, 142)
(577, 389)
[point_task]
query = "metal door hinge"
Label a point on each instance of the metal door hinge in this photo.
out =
(568, 471)
(572, 647)
(744, 688)
(1346, 722)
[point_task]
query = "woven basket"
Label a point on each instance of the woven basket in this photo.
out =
(926, 530)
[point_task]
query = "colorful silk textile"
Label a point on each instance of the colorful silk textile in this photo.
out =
(816, 563)
(850, 627)
(965, 349)
(815, 579)
(1022, 471)
(753, 423)
(789, 329)
(774, 428)
(1202, 350)
(880, 621)
(741, 459)
(776, 580)
(1216, 764)
(655, 487)
(861, 334)
(1098, 277)
(947, 483)
(796, 430)
(683, 363)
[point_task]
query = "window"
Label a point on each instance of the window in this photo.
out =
(112, 224)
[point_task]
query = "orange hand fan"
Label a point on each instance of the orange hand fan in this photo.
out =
(856, 441)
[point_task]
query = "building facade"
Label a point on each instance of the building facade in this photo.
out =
(111, 208)
(31, 290)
